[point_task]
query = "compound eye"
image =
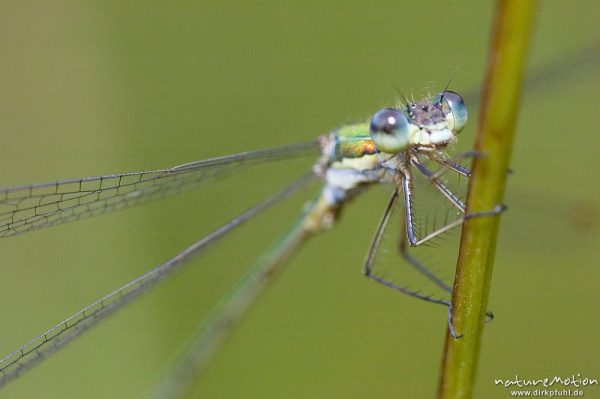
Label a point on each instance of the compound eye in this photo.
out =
(455, 110)
(389, 130)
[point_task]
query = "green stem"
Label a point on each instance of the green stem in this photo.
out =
(500, 102)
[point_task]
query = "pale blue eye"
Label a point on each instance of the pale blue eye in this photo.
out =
(455, 110)
(389, 130)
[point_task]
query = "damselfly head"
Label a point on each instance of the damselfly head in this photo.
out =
(430, 123)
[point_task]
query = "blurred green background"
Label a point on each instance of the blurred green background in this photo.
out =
(89, 88)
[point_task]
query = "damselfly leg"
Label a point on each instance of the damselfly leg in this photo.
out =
(409, 238)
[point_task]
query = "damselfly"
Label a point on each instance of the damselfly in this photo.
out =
(393, 147)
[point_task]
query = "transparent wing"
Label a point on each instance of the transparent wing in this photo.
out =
(423, 272)
(438, 196)
(583, 60)
(227, 314)
(36, 350)
(27, 208)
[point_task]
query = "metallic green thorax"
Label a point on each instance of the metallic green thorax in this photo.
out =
(353, 141)
(350, 160)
